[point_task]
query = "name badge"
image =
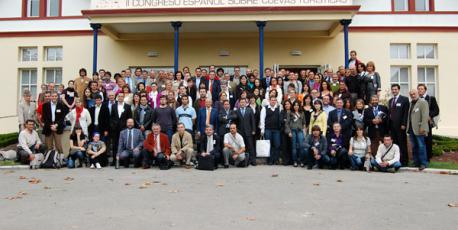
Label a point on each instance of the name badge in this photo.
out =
(344, 117)
(214, 141)
(416, 110)
(398, 104)
(333, 140)
(57, 110)
(316, 144)
(231, 96)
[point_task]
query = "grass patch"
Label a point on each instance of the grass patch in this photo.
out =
(443, 165)
(8, 139)
(8, 163)
(442, 145)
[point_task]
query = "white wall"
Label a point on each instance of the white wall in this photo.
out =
(74, 7)
(45, 25)
(10, 8)
(405, 20)
(446, 5)
(373, 5)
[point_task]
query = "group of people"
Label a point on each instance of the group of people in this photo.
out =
(314, 120)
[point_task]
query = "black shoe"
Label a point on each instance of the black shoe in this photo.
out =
(309, 167)
(269, 163)
(226, 166)
(253, 163)
(421, 168)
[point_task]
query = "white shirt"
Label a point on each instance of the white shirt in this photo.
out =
(120, 109)
(96, 114)
(157, 149)
(262, 121)
(153, 96)
(53, 111)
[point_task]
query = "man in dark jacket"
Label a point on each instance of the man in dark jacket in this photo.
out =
(54, 124)
(100, 116)
(344, 117)
(210, 146)
(398, 107)
(247, 128)
(120, 113)
(143, 116)
(376, 120)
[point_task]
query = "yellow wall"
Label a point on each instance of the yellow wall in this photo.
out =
(116, 55)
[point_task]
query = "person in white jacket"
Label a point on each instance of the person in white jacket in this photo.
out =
(79, 115)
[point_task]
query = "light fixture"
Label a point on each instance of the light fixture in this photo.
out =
(295, 53)
(152, 54)
(224, 53)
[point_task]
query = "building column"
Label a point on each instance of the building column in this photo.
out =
(95, 27)
(261, 25)
(346, 23)
(176, 27)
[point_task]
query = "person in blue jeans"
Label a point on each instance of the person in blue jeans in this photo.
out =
(316, 148)
(359, 151)
(295, 126)
(77, 147)
(418, 128)
(337, 153)
(270, 125)
(388, 156)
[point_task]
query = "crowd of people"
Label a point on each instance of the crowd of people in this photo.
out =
(156, 118)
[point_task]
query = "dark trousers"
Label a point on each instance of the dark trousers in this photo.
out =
(285, 148)
(148, 158)
(400, 138)
(339, 160)
(114, 143)
(248, 139)
(275, 140)
(23, 156)
(99, 159)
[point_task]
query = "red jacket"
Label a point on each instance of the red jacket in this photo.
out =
(150, 143)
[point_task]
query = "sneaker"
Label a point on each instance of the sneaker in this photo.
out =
(92, 166)
(97, 165)
(295, 164)
(302, 165)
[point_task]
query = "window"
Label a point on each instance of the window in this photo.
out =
(52, 8)
(33, 8)
(427, 76)
(399, 51)
(228, 69)
(29, 54)
(401, 5)
(53, 53)
(28, 80)
(53, 75)
(426, 51)
(400, 75)
(421, 5)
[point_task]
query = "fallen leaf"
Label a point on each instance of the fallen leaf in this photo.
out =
(274, 175)
(174, 191)
(406, 182)
(156, 182)
(143, 187)
(339, 180)
(46, 187)
(316, 184)
(147, 183)
(21, 193)
(220, 185)
(164, 183)
(133, 172)
(251, 218)
(69, 178)
(22, 178)
(126, 184)
(453, 205)
(34, 181)
(111, 180)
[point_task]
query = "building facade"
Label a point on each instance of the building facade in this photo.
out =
(410, 41)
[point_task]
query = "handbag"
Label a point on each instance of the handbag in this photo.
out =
(206, 163)
(262, 148)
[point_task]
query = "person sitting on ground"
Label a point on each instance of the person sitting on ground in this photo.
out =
(316, 148)
(29, 143)
(157, 148)
(210, 147)
(234, 147)
(337, 154)
(182, 146)
(388, 155)
(77, 147)
(130, 145)
(96, 151)
(360, 150)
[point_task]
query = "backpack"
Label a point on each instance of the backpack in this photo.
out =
(37, 161)
(52, 160)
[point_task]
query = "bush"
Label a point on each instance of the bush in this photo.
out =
(8, 139)
(442, 145)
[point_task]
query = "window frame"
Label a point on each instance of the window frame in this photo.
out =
(28, 11)
(412, 8)
(30, 84)
(434, 45)
(426, 82)
(398, 57)
(46, 57)
(21, 54)
(402, 83)
(48, 8)
(45, 75)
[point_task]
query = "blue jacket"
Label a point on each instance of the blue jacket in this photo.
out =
(202, 117)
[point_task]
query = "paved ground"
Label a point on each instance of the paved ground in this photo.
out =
(260, 197)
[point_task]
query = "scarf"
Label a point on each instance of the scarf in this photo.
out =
(79, 110)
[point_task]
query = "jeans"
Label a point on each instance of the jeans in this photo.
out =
(274, 137)
(74, 156)
(311, 161)
(339, 160)
(356, 161)
(420, 157)
(169, 133)
(396, 166)
(124, 157)
(298, 143)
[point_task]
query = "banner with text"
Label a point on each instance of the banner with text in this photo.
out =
(149, 4)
